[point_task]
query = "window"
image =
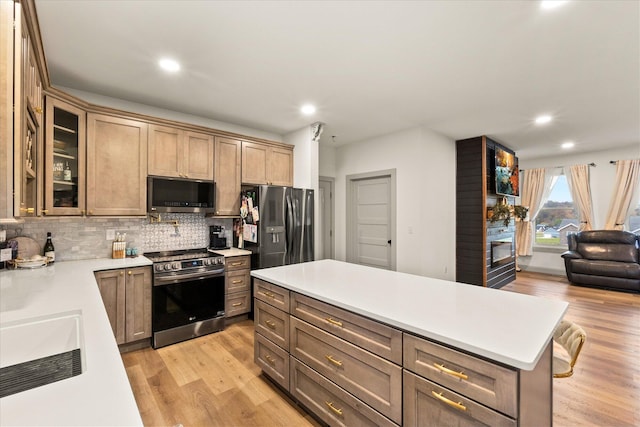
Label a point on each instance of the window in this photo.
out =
(633, 223)
(557, 217)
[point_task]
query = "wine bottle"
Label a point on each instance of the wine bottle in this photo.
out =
(49, 251)
(67, 173)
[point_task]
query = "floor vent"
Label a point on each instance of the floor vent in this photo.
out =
(39, 372)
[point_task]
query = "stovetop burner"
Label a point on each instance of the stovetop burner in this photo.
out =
(179, 255)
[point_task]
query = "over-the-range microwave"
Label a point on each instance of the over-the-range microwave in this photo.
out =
(180, 195)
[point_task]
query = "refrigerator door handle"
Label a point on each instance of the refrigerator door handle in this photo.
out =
(289, 231)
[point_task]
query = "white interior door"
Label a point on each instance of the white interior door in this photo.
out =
(372, 222)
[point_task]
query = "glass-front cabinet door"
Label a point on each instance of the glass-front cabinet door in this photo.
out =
(65, 157)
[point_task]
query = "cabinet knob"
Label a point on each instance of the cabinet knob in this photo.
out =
(90, 212)
(130, 273)
(38, 110)
(122, 273)
(45, 211)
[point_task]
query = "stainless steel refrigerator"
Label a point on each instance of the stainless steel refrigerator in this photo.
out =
(284, 226)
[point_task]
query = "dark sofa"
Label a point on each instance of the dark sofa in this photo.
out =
(603, 258)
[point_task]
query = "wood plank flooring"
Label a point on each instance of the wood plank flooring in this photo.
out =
(212, 380)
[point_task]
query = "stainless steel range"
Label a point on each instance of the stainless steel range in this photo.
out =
(188, 295)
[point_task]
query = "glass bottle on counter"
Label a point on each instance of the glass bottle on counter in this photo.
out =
(49, 251)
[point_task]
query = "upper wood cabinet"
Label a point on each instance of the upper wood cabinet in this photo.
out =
(65, 156)
(180, 154)
(267, 164)
(116, 166)
(227, 176)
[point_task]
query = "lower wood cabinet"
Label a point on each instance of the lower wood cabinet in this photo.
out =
(126, 294)
(350, 370)
(237, 285)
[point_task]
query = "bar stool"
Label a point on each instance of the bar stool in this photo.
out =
(571, 338)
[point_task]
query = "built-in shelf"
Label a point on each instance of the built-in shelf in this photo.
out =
(69, 183)
(66, 156)
(64, 129)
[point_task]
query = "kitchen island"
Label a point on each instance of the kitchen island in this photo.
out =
(485, 354)
(101, 394)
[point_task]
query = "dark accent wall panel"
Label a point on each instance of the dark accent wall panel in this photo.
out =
(475, 191)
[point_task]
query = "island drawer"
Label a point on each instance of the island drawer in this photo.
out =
(237, 303)
(271, 323)
(428, 404)
(271, 294)
(490, 384)
(379, 339)
(329, 402)
(273, 360)
(372, 379)
(238, 263)
(238, 281)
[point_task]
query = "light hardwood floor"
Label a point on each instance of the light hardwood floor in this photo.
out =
(212, 380)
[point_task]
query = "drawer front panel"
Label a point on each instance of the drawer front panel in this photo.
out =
(238, 281)
(271, 323)
(273, 360)
(271, 294)
(332, 404)
(368, 334)
(428, 404)
(238, 303)
(485, 382)
(372, 379)
(237, 263)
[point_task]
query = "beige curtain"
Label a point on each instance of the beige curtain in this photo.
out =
(533, 188)
(580, 187)
(625, 192)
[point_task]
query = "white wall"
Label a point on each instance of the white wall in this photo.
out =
(133, 107)
(602, 180)
(425, 195)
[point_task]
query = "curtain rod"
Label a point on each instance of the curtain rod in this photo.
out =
(590, 164)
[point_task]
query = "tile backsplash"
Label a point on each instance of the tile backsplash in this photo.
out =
(85, 237)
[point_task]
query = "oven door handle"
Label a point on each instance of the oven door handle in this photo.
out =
(179, 278)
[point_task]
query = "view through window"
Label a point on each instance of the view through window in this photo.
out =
(633, 224)
(557, 217)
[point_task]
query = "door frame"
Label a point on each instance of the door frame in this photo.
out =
(332, 209)
(350, 211)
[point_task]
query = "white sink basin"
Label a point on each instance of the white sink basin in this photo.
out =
(41, 350)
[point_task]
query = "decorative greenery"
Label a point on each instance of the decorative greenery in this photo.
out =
(501, 212)
(520, 212)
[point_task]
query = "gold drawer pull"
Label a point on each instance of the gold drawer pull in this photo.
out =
(236, 281)
(440, 397)
(269, 294)
(236, 304)
(236, 263)
(333, 321)
(332, 360)
(270, 323)
(270, 359)
(450, 372)
(333, 408)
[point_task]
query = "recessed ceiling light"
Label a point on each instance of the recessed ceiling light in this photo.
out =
(568, 144)
(169, 65)
(544, 119)
(551, 4)
(308, 109)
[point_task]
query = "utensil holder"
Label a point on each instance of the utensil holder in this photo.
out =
(118, 249)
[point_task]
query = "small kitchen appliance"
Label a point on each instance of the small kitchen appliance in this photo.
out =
(188, 295)
(217, 240)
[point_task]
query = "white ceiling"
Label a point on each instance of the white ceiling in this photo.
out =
(460, 68)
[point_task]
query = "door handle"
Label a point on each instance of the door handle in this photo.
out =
(389, 241)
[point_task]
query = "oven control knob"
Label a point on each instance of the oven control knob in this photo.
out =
(176, 266)
(167, 266)
(159, 267)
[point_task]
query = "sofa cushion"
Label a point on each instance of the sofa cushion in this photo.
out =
(624, 270)
(606, 236)
(609, 251)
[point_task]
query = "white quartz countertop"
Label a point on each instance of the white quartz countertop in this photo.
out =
(507, 327)
(101, 395)
(231, 252)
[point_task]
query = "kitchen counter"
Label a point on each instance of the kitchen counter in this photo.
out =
(231, 252)
(101, 395)
(506, 327)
